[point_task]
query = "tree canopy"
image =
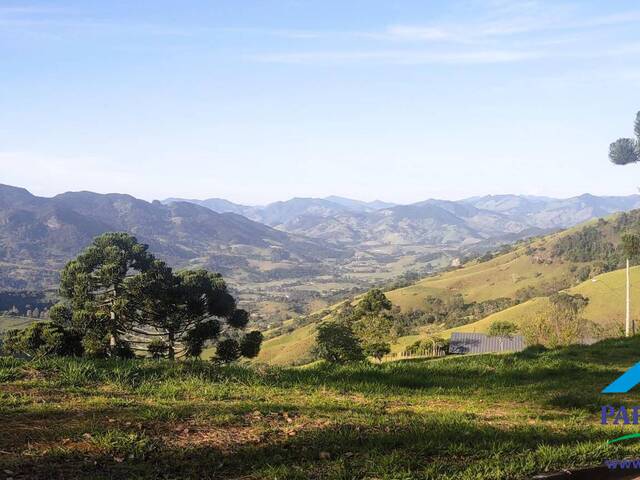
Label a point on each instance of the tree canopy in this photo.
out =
(99, 284)
(374, 301)
(626, 150)
(356, 332)
(336, 343)
(120, 297)
(631, 245)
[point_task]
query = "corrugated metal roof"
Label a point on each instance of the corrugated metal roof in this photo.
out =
(481, 343)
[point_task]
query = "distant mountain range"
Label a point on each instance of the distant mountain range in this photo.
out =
(470, 221)
(290, 251)
(277, 213)
(547, 212)
(38, 235)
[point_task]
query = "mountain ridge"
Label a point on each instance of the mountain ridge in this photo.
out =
(49, 231)
(482, 217)
(308, 252)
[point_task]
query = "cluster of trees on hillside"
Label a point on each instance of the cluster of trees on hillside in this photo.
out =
(357, 332)
(502, 328)
(118, 299)
(454, 310)
(593, 246)
(560, 322)
(544, 288)
(588, 245)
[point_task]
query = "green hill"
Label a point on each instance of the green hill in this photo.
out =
(528, 266)
(606, 294)
(527, 274)
(289, 348)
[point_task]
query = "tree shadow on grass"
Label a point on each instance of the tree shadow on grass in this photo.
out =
(56, 424)
(415, 448)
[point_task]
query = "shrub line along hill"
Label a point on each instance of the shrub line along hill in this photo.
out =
(581, 260)
(489, 417)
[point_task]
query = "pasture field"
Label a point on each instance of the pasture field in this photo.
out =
(478, 417)
(500, 277)
(606, 294)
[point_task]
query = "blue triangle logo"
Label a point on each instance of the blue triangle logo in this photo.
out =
(625, 382)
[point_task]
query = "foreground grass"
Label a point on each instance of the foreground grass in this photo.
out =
(484, 417)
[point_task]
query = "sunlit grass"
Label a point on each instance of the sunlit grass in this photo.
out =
(483, 417)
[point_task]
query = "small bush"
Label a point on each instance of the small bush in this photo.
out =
(502, 328)
(41, 339)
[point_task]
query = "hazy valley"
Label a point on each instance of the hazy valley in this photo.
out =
(287, 258)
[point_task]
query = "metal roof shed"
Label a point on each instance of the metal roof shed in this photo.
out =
(480, 343)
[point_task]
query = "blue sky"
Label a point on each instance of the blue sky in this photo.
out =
(260, 100)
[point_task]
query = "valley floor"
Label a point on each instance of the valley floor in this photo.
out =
(483, 417)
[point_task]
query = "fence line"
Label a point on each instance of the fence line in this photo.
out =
(432, 351)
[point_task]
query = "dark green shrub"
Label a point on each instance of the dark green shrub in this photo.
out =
(228, 350)
(250, 344)
(41, 339)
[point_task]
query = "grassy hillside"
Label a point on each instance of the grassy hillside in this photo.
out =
(532, 269)
(502, 276)
(292, 348)
(529, 265)
(606, 294)
(470, 418)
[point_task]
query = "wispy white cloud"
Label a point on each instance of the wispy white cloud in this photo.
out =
(504, 31)
(398, 57)
(13, 10)
(458, 57)
(492, 31)
(506, 26)
(412, 32)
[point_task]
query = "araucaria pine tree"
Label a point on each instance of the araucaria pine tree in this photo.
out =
(118, 294)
